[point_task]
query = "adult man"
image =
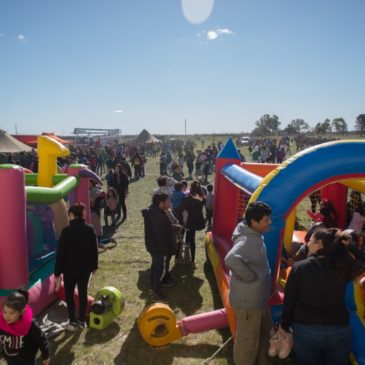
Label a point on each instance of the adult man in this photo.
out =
(165, 185)
(250, 286)
(159, 239)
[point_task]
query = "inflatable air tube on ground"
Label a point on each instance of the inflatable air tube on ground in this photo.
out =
(60, 294)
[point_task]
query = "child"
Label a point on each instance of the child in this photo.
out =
(358, 218)
(177, 197)
(20, 336)
(327, 214)
(209, 206)
(111, 205)
(97, 196)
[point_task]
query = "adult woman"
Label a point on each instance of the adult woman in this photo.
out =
(77, 258)
(314, 301)
(120, 182)
(193, 206)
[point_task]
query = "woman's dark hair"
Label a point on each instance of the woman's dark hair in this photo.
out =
(162, 181)
(256, 211)
(17, 300)
(178, 186)
(334, 252)
(356, 235)
(77, 210)
(196, 189)
(159, 198)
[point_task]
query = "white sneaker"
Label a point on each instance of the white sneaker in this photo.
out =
(71, 326)
(82, 324)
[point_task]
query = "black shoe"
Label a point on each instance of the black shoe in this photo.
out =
(159, 298)
(167, 283)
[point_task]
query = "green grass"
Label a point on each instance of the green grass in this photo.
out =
(127, 268)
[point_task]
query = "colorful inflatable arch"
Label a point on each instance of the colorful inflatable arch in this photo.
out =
(330, 167)
(34, 212)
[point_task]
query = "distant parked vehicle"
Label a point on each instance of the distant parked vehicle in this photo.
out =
(245, 141)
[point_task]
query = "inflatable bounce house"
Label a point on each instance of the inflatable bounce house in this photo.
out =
(33, 213)
(331, 167)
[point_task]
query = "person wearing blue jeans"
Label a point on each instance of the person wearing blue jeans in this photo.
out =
(314, 302)
(316, 344)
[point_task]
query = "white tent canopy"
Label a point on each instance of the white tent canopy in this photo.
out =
(9, 144)
(146, 137)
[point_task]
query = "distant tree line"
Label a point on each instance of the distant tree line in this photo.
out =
(270, 124)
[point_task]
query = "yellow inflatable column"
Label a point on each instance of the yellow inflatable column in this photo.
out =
(289, 229)
(48, 151)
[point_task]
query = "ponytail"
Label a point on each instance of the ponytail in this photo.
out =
(77, 210)
(335, 253)
(17, 300)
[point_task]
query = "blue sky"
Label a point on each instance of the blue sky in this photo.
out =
(152, 63)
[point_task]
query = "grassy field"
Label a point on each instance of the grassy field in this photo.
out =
(127, 268)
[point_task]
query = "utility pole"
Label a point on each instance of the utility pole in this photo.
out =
(16, 129)
(185, 130)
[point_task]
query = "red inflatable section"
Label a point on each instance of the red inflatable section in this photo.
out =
(60, 293)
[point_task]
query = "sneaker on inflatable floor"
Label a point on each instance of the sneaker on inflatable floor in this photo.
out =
(71, 326)
(82, 324)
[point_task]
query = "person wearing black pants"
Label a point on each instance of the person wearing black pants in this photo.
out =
(159, 240)
(76, 259)
(70, 283)
(120, 182)
(193, 206)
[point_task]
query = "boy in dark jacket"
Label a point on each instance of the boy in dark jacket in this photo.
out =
(76, 259)
(159, 239)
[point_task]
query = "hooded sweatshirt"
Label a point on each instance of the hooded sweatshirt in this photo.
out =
(250, 271)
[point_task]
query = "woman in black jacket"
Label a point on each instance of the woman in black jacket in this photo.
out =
(314, 303)
(192, 207)
(76, 259)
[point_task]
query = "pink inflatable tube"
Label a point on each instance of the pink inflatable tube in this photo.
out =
(81, 194)
(42, 295)
(13, 245)
(204, 322)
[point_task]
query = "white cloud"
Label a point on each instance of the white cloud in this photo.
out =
(211, 35)
(21, 38)
(118, 111)
(214, 34)
(2, 35)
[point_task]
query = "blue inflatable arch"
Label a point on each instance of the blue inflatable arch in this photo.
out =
(290, 182)
(307, 171)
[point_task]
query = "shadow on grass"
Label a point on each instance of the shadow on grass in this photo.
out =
(65, 355)
(135, 351)
(184, 294)
(94, 336)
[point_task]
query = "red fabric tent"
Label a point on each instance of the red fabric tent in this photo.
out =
(32, 138)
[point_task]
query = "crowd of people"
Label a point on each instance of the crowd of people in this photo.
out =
(180, 206)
